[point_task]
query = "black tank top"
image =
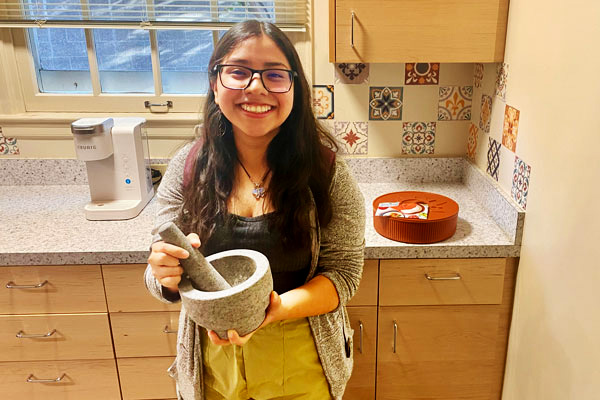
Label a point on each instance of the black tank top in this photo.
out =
(288, 267)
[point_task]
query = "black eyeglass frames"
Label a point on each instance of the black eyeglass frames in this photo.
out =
(238, 77)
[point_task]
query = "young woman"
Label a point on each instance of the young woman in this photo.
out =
(259, 177)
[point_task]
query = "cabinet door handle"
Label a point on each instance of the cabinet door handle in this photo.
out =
(33, 379)
(444, 278)
(167, 330)
(22, 335)
(395, 334)
(12, 285)
(352, 30)
(360, 342)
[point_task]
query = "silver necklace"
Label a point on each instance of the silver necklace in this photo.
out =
(259, 189)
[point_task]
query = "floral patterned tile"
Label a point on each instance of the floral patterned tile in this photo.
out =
(418, 137)
(485, 115)
(472, 141)
(511, 128)
(8, 146)
(352, 137)
(478, 75)
(455, 103)
(422, 73)
(323, 101)
(501, 78)
(520, 184)
(493, 158)
(351, 73)
(385, 103)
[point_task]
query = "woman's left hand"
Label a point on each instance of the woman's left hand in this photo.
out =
(274, 312)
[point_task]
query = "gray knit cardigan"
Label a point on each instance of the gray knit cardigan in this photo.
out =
(337, 253)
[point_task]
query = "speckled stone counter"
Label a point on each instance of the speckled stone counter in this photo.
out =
(45, 224)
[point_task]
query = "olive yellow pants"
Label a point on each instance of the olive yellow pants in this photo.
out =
(280, 361)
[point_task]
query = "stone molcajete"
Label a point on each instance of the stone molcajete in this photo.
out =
(227, 290)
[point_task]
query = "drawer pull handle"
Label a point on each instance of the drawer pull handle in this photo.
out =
(444, 278)
(12, 285)
(395, 334)
(32, 379)
(22, 335)
(352, 31)
(360, 342)
(167, 330)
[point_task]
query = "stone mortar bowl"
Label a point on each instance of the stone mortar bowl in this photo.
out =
(241, 307)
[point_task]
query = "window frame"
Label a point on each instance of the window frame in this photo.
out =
(35, 101)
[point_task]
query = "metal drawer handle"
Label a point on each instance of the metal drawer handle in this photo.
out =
(12, 285)
(352, 31)
(395, 334)
(22, 335)
(444, 278)
(360, 343)
(32, 379)
(167, 330)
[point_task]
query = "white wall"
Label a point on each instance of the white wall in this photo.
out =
(553, 55)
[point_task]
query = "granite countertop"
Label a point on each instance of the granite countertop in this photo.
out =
(45, 224)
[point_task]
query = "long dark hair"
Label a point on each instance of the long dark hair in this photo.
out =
(296, 156)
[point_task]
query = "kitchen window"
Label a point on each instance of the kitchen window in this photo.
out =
(127, 55)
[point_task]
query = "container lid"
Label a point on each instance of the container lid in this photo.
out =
(415, 217)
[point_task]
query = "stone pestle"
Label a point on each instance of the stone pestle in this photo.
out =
(200, 272)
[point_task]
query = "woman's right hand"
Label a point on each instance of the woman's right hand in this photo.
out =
(164, 260)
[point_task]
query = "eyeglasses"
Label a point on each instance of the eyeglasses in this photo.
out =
(237, 77)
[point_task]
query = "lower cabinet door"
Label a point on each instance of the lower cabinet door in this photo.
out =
(439, 352)
(145, 334)
(55, 337)
(361, 385)
(59, 380)
(146, 378)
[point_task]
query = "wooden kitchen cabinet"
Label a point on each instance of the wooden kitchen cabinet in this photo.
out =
(55, 334)
(442, 337)
(390, 31)
(144, 333)
(51, 289)
(448, 340)
(362, 310)
(146, 378)
(60, 380)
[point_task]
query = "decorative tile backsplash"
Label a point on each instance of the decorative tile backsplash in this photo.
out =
(418, 137)
(8, 146)
(511, 127)
(385, 103)
(493, 158)
(485, 114)
(422, 73)
(351, 136)
(501, 78)
(499, 125)
(472, 142)
(520, 184)
(455, 103)
(477, 75)
(391, 110)
(351, 73)
(323, 101)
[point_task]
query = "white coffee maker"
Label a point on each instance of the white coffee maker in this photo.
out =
(115, 151)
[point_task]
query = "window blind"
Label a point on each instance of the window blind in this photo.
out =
(290, 15)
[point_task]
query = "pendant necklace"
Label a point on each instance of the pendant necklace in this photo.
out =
(259, 189)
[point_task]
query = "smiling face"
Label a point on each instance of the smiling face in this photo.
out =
(254, 112)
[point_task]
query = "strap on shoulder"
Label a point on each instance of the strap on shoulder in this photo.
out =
(190, 162)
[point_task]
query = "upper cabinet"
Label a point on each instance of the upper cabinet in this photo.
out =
(397, 31)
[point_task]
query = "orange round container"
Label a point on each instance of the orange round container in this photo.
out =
(406, 220)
